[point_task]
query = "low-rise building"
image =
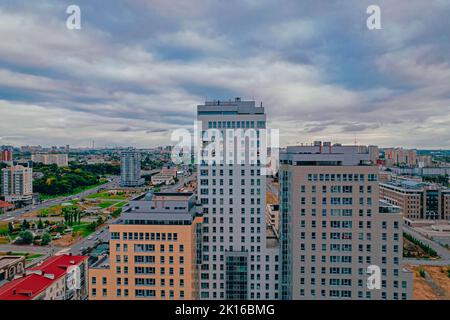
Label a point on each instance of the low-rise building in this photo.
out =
(57, 278)
(11, 266)
(417, 200)
(166, 176)
(5, 206)
(154, 251)
(17, 184)
(60, 159)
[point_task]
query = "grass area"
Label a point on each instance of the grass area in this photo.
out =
(83, 229)
(75, 191)
(106, 204)
(121, 204)
(106, 195)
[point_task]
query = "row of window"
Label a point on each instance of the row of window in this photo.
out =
(149, 236)
(345, 177)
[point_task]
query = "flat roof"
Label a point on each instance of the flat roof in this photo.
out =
(8, 260)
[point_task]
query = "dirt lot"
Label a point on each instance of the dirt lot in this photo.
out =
(424, 290)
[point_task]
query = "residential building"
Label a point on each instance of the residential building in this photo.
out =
(418, 200)
(17, 184)
(400, 157)
(10, 267)
(333, 227)
(166, 176)
(130, 168)
(238, 261)
(5, 206)
(6, 154)
(61, 277)
(374, 154)
(60, 159)
(154, 251)
(424, 161)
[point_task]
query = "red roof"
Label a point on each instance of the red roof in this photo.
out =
(4, 204)
(31, 285)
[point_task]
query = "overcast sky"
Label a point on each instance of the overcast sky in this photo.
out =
(137, 69)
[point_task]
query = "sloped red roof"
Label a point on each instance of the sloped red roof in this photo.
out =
(4, 204)
(31, 285)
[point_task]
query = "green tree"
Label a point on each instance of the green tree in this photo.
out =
(25, 237)
(40, 225)
(46, 239)
(25, 225)
(10, 227)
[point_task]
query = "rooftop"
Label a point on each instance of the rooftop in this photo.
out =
(5, 261)
(39, 278)
(4, 204)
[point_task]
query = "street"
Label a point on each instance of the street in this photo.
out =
(17, 213)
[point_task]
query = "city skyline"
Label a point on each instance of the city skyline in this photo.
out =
(138, 70)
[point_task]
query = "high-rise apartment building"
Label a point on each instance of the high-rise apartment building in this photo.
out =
(17, 183)
(418, 200)
(333, 227)
(238, 261)
(130, 168)
(154, 251)
(400, 157)
(60, 159)
(6, 154)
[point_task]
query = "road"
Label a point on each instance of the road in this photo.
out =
(30, 249)
(17, 213)
(101, 235)
(444, 253)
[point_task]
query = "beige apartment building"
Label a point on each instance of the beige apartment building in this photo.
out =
(60, 159)
(400, 156)
(17, 184)
(417, 200)
(154, 251)
(333, 227)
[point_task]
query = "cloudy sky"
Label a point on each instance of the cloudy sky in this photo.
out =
(137, 69)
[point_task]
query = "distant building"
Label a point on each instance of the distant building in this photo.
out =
(60, 159)
(57, 278)
(400, 157)
(17, 184)
(417, 200)
(6, 154)
(166, 176)
(424, 161)
(374, 154)
(10, 267)
(5, 206)
(154, 251)
(130, 168)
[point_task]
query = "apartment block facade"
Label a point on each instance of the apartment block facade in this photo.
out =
(130, 168)
(154, 251)
(333, 227)
(418, 201)
(400, 157)
(61, 277)
(60, 159)
(17, 183)
(237, 260)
